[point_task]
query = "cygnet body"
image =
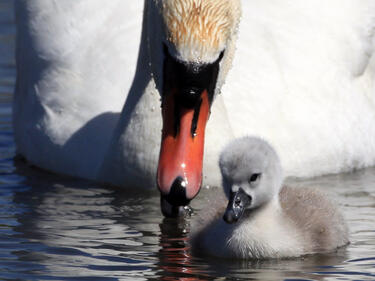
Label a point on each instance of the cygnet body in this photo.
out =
(263, 219)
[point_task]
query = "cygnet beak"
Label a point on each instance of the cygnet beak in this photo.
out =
(236, 205)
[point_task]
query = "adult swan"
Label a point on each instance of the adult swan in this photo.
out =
(302, 77)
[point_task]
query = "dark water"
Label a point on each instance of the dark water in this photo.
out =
(58, 228)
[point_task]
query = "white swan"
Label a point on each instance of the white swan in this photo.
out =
(302, 76)
(264, 219)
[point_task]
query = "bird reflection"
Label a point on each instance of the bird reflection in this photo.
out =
(78, 228)
(175, 257)
(73, 228)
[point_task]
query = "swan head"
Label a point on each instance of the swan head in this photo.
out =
(198, 45)
(252, 175)
(199, 30)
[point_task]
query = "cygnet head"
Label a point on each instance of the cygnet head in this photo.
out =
(252, 175)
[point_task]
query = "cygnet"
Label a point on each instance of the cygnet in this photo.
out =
(263, 218)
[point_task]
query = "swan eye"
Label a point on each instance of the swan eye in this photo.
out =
(220, 56)
(254, 177)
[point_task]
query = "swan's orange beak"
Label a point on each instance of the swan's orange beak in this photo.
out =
(182, 147)
(187, 96)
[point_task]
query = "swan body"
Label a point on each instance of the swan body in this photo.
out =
(276, 222)
(73, 76)
(89, 84)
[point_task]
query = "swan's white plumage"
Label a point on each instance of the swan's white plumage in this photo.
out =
(302, 76)
(73, 65)
(308, 82)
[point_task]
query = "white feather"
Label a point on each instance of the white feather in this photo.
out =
(302, 77)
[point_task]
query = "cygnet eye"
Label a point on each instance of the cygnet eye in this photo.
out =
(254, 178)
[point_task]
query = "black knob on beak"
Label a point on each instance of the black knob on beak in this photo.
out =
(177, 193)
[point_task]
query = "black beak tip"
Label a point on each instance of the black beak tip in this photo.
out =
(230, 217)
(177, 193)
(174, 204)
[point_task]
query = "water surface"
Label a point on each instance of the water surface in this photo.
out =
(59, 228)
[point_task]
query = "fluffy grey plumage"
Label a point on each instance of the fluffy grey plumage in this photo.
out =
(266, 219)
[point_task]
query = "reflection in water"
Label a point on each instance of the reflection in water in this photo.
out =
(84, 230)
(175, 258)
(69, 228)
